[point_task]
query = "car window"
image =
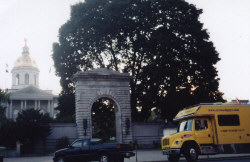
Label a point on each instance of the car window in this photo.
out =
(85, 143)
(77, 144)
(96, 141)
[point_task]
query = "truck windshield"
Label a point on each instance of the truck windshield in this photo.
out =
(186, 125)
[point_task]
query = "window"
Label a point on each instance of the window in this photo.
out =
(186, 126)
(77, 143)
(26, 79)
(17, 79)
(228, 120)
(201, 124)
(34, 79)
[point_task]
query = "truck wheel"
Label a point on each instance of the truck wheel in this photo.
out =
(191, 153)
(173, 158)
(104, 158)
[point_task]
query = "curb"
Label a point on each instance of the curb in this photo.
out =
(225, 157)
(210, 158)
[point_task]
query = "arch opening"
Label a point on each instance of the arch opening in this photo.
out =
(104, 119)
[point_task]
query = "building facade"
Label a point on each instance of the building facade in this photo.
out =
(25, 92)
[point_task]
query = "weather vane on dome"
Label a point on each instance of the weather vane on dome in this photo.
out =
(25, 48)
(25, 40)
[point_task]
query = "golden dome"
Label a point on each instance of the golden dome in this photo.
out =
(25, 59)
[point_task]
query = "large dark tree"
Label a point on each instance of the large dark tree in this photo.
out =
(161, 43)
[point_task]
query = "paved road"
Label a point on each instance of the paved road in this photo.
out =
(29, 159)
(149, 156)
(48, 159)
(238, 159)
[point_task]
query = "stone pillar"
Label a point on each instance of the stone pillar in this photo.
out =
(18, 148)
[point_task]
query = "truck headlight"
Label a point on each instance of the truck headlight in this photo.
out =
(177, 142)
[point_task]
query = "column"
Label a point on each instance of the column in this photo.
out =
(21, 105)
(25, 104)
(48, 107)
(35, 104)
(7, 110)
(11, 114)
(52, 108)
(39, 104)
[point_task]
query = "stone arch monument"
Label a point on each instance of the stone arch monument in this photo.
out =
(103, 83)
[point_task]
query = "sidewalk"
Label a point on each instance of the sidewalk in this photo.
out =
(157, 156)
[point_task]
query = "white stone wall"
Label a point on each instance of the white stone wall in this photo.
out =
(146, 134)
(59, 130)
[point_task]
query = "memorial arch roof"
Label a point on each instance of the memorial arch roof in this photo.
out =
(100, 73)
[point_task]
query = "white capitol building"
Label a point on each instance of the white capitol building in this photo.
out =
(25, 92)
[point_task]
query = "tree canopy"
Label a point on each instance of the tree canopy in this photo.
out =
(160, 43)
(32, 126)
(4, 98)
(29, 126)
(7, 127)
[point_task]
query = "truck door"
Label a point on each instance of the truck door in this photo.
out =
(203, 131)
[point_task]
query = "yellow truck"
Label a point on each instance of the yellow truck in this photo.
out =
(209, 129)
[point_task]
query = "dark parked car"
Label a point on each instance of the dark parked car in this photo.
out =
(92, 150)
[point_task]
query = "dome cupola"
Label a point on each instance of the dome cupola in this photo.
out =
(25, 71)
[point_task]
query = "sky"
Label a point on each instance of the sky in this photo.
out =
(227, 22)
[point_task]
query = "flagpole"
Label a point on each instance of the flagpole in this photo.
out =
(5, 78)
